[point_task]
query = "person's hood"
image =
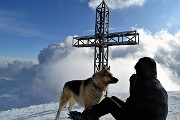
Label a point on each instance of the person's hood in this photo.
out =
(146, 69)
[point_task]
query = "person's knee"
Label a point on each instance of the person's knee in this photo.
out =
(107, 100)
(113, 97)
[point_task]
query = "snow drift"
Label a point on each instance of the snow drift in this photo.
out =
(48, 111)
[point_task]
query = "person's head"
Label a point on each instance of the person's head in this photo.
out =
(146, 68)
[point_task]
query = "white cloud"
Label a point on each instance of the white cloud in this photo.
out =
(117, 4)
(59, 63)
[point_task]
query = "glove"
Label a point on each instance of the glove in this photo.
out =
(74, 115)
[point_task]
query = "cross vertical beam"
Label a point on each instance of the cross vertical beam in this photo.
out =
(101, 28)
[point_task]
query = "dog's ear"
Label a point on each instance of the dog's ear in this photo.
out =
(108, 68)
(104, 69)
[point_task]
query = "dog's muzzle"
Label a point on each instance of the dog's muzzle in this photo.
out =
(113, 80)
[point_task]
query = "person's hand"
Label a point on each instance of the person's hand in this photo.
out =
(133, 80)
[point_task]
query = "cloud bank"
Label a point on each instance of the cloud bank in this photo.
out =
(117, 4)
(59, 63)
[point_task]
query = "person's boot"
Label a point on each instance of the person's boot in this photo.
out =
(75, 115)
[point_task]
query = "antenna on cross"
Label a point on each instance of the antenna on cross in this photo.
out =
(103, 39)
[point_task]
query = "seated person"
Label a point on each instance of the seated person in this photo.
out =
(148, 99)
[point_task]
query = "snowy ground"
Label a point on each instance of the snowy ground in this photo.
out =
(48, 111)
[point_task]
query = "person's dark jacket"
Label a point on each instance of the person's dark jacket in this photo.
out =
(148, 99)
(147, 102)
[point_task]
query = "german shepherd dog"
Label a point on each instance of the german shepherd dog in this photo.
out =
(86, 92)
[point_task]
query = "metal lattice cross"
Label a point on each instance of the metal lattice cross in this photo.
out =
(103, 39)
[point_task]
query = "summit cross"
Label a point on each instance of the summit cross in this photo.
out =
(103, 39)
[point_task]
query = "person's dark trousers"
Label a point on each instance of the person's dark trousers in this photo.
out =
(107, 105)
(119, 101)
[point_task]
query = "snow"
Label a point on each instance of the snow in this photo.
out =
(48, 111)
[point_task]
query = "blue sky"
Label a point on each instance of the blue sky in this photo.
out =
(28, 26)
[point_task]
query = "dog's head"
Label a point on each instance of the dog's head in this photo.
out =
(105, 77)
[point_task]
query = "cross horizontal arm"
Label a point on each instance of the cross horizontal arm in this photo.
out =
(118, 38)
